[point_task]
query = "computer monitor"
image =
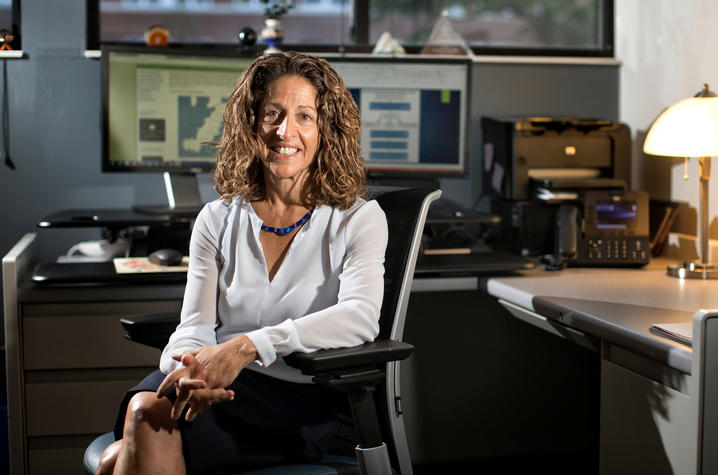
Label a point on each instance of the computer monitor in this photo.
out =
(161, 108)
(414, 114)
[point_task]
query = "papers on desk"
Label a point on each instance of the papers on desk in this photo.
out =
(142, 265)
(680, 332)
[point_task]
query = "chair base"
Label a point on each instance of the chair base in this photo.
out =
(374, 460)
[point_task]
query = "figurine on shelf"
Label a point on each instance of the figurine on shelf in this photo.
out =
(247, 37)
(157, 35)
(272, 34)
(5, 38)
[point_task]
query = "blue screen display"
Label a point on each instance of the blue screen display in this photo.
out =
(616, 214)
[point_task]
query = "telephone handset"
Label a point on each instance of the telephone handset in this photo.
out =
(565, 238)
(609, 230)
(567, 232)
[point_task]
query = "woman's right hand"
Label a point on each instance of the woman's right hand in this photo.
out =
(197, 399)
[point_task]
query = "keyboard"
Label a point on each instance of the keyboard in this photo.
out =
(474, 263)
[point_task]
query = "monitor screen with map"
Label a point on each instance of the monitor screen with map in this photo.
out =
(162, 109)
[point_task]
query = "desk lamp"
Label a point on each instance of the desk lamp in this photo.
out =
(689, 128)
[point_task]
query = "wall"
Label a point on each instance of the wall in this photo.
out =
(668, 50)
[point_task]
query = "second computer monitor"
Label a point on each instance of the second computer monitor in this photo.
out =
(414, 113)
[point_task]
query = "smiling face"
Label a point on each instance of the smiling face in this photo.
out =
(288, 130)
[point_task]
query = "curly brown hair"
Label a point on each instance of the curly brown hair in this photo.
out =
(337, 174)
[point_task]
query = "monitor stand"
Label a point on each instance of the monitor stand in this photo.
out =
(182, 196)
(404, 181)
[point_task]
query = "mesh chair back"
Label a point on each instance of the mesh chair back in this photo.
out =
(403, 208)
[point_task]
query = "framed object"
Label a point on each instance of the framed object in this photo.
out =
(662, 215)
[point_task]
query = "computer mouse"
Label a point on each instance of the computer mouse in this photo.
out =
(166, 257)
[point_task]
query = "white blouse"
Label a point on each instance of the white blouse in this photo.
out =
(326, 294)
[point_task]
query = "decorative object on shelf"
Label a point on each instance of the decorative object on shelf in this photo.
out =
(272, 34)
(444, 39)
(247, 37)
(387, 44)
(688, 129)
(5, 38)
(157, 35)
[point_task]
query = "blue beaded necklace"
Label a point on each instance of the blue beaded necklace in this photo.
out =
(288, 229)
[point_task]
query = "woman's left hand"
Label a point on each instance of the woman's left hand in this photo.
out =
(205, 369)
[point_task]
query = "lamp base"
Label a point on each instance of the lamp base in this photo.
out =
(693, 270)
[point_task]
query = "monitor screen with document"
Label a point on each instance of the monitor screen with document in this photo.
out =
(414, 112)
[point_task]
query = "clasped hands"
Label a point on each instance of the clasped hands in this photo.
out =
(204, 375)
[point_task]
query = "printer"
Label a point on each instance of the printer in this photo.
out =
(519, 152)
(560, 186)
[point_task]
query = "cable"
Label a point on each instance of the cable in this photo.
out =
(6, 119)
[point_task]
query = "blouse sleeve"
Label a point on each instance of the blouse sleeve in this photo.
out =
(354, 319)
(199, 307)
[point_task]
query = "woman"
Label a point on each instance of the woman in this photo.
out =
(290, 258)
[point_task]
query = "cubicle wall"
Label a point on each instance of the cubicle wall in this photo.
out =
(484, 392)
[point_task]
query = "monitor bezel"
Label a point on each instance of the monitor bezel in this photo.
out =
(375, 172)
(107, 165)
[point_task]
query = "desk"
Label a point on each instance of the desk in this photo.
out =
(94, 359)
(68, 363)
(646, 410)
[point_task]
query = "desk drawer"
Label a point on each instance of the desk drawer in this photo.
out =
(74, 408)
(552, 327)
(77, 337)
(57, 461)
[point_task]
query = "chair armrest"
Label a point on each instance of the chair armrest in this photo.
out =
(342, 359)
(151, 330)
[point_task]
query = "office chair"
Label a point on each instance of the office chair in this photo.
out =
(375, 443)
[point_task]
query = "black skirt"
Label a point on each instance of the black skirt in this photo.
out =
(269, 422)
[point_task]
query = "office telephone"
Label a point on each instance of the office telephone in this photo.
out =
(609, 229)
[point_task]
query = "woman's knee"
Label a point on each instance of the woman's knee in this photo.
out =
(146, 409)
(107, 461)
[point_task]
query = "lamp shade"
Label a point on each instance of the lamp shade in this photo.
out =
(688, 128)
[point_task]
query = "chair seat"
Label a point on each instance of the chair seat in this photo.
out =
(329, 465)
(94, 451)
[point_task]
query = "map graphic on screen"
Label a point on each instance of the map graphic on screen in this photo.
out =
(198, 119)
(164, 109)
